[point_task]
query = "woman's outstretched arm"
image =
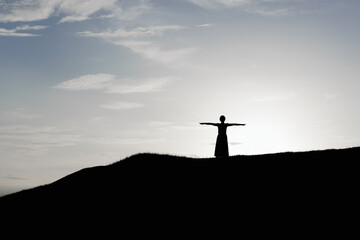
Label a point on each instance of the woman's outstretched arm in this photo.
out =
(206, 123)
(236, 124)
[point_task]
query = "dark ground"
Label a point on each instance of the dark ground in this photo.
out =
(303, 190)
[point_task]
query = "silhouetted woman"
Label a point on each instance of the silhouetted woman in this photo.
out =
(221, 148)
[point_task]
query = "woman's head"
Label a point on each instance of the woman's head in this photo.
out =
(222, 118)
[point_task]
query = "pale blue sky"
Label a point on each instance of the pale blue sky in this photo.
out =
(90, 82)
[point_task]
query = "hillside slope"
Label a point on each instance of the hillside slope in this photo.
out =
(153, 181)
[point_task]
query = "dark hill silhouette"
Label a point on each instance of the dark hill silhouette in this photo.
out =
(285, 185)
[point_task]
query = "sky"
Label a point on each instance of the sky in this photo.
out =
(89, 82)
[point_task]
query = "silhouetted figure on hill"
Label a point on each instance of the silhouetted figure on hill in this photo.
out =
(221, 148)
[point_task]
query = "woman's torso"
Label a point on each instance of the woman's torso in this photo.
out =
(222, 129)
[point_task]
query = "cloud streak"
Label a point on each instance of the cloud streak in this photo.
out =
(138, 32)
(141, 40)
(35, 140)
(219, 3)
(152, 51)
(122, 105)
(110, 84)
(268, 8)
(18, 31)
(19, 113)
(36, 10)
(80, 10)
(150, 85)
(26, 11)
(87, 82)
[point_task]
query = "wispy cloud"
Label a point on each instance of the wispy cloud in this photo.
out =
(87, 82)
(219, 3)
(128, 141)
(150, 85)
(19, 113)
(205, 25)
(12, 177)
(35, 140)
(138, 32)
(141, 41)
(70, 10)
(19, 31)
(262, 7)
(173, 126)
(122, 105)
(110, 84)
(77, 10)
(155, 52)
(26, 11)
(132, 12)
(271, 98)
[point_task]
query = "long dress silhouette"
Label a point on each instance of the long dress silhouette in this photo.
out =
(222, 148)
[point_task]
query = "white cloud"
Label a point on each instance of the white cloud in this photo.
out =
(272, 12)
(28, 27)
(19, 113)
(73, 19)
(98, 119)
(150, 85)
(153, 51)
(122, 105)
(35, 10)
(137, 40)
(262, 7)
(128, 11)
(132, 12)
(110, 84)
(219, 3)
(35, 140)
(27, 10)
(11, 33)
(205, 25)
(17, 32)
(79, 10)
(87, 82)
(128, 141)
(159, 123)
(173, 126)
(138, 32)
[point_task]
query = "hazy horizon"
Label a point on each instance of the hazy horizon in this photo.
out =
(90, 82)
